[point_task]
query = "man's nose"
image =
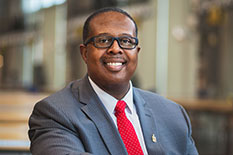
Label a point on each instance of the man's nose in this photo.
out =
(115, 48)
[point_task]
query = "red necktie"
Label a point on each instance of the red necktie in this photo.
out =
(127, 131)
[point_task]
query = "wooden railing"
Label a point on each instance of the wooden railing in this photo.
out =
(214, 105)
(15, 109)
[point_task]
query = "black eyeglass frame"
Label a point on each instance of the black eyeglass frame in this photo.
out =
(113, 39)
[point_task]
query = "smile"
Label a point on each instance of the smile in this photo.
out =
(114, 64)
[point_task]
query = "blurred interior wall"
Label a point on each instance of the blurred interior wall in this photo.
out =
(226, 71)
(177, 71)
(145, 73)
(182, 51)
(54, 45)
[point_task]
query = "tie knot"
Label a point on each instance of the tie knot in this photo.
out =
(120, 106)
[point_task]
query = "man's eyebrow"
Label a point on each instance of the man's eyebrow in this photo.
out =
(126, 34)
(108, 34)
(101, 34)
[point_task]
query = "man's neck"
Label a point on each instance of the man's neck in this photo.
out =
(118, 91)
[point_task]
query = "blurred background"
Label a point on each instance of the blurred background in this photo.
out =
(186, 55)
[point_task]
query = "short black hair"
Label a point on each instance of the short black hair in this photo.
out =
(86, 27)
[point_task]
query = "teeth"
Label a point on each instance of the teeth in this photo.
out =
(114, 63)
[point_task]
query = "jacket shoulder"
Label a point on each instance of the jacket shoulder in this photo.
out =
(153, 97)
(63, 95)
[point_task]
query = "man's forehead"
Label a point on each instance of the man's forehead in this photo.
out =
(109, 16)
(111, 19)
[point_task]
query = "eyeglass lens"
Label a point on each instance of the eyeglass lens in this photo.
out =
(106, 41)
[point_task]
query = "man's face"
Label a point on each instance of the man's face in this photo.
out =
(111, 66)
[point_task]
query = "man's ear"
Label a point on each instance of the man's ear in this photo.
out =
(138, 48)
(83, 52)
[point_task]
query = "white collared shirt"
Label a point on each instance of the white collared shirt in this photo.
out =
(131, 113)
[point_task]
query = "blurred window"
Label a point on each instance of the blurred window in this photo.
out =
(30, 6)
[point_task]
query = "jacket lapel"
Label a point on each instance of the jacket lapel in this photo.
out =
(98, 114)
(148, 125)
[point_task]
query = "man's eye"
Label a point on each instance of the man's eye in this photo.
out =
(103, 40)
(126, 41)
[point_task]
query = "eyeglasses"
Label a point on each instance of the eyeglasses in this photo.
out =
(103, 41)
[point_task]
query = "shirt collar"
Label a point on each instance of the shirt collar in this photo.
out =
(110, 102)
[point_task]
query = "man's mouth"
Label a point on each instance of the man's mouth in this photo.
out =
(114, 66)
(114, 63)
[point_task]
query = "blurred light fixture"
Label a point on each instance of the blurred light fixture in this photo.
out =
(179, 33)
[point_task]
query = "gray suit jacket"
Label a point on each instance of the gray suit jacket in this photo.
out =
(74, 121)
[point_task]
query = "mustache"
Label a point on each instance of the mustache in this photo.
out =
(113, 58)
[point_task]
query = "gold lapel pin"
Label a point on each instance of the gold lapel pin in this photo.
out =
(154, 138)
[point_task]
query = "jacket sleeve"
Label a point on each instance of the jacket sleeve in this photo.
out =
(51, 132)
(191, 148)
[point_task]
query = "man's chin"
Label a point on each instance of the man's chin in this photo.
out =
(118, 81)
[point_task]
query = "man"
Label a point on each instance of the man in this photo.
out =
(103, 113)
